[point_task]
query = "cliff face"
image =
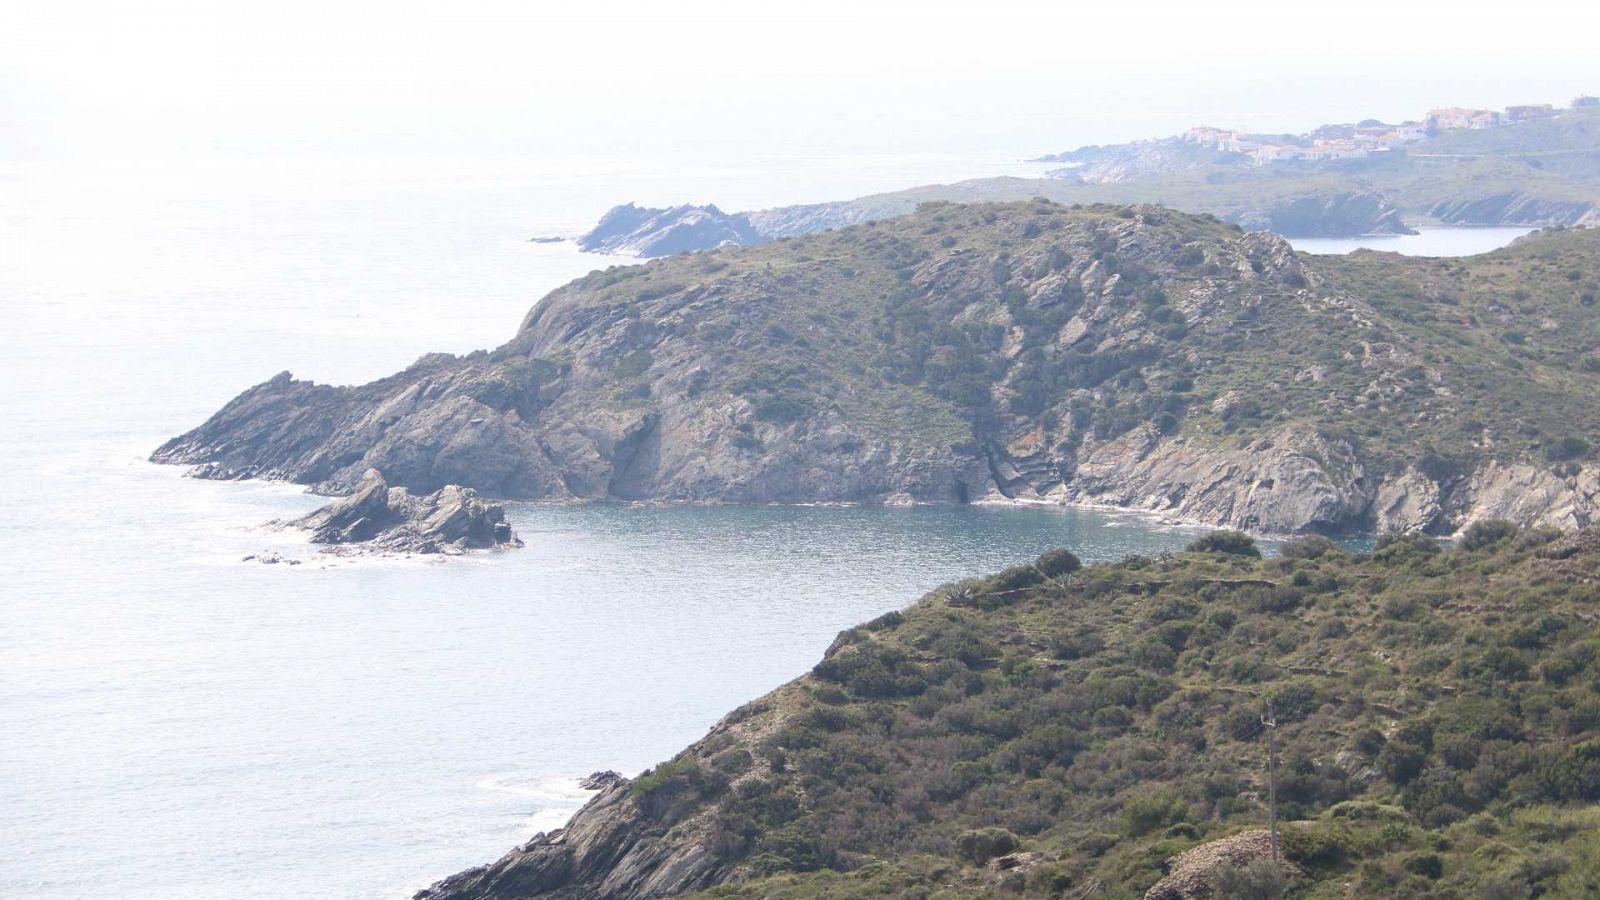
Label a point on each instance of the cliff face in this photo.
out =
(1026, 352)
(612, 848)
(1515, 208)
(1328, 215)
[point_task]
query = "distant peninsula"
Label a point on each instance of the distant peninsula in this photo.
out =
(1533, 165)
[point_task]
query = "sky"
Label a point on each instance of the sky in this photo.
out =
(710, 79)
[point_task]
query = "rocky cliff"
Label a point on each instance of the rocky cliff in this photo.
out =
(1327, 215)
(1515, 207)
(1021, 352)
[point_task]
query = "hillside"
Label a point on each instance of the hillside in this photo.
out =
(1030, 351)
(1056, 731)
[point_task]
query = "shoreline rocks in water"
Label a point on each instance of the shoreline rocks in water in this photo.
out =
(388, 519)
(641, 231)
(599, 781)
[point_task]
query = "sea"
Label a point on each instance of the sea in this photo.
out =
(180, 722)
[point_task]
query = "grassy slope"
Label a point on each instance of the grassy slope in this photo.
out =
(1438, 714)
(1513, 338)
(1572, 130)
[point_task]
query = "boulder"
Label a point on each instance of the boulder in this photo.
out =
(378, 517)
(599, 781)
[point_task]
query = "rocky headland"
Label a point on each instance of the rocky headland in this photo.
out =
(1026, 352)
(635, 231)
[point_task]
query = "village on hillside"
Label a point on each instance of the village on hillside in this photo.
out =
(1370, 138)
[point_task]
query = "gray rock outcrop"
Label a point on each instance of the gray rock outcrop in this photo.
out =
(1515, 207)
(637, 231)
(612, 849)
(1191, 874)
(1340, 214)
(377, 517)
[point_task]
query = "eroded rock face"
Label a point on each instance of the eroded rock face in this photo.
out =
(1515, 207)
(380, 518)
(1292, 482)
(1328, 215)
(612, 850)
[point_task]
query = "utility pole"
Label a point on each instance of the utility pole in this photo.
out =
(1271, 723)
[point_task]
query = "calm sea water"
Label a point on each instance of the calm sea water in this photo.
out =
(1426, 242)
(179, 723)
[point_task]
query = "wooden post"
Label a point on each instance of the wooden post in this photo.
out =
(1271, 723)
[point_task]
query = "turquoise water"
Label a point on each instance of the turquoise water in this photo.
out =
(180, 723)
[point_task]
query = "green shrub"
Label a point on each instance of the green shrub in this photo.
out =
(1428, 865)
(1235, 543)
(980, 845)
(1258, 879)
(1058, 562)
(1487, 533)
(1145, 813)
(1399, 545)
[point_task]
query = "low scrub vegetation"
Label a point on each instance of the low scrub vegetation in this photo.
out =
(1438, 717)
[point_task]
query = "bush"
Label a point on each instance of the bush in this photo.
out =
(1012, 579)
(1401, 761)
(1565, 448)
(980, 845)
(1393, 545)
(1235, 543)
(1148, 812)
(1428, 865)
(1058, 562)
(1487, 533)
(1312, 546)
(1258, 879)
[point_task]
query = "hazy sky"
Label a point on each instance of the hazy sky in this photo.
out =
(700, 78)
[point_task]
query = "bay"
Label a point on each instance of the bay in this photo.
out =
(1429, 241)
(182, 723)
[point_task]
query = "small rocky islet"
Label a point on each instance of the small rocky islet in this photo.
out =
(378, 519)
